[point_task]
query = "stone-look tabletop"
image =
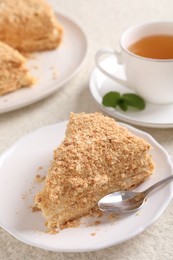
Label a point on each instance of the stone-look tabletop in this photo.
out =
(103, 22)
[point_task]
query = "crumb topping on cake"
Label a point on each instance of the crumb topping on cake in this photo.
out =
(97, 156)
(13, 72)
(29, 25)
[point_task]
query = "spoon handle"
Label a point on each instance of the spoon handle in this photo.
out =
(158, 184)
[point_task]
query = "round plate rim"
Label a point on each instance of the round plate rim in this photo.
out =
(109, 243)
(54, 87)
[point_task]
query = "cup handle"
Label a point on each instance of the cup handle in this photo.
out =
(102, 52)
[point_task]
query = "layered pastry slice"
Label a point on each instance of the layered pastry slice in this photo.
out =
(29, 25)
(13, 72)
(97, 157)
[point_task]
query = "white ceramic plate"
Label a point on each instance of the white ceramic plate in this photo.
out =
(18, 168)
(156, 116)
(52, 69)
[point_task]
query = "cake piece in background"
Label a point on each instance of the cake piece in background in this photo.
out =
(97, 157)
(29, 25)
(13, 73)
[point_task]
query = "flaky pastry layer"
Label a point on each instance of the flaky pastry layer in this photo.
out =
(97, 157)
(29, 25)
(13, 72)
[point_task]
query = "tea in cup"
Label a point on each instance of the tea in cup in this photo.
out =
(147, 59)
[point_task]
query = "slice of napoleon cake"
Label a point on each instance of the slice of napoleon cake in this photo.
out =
(96, 157)
(29, 25)
(13, 72)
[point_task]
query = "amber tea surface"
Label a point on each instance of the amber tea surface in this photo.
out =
(154, 47)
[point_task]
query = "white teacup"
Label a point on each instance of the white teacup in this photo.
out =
(150, 78)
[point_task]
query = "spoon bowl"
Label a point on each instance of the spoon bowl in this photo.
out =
(128, 201)
(122, 202)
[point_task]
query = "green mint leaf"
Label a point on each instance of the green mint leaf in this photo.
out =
(134, 100)
(122, 104)
(111, 99)
(114, 99)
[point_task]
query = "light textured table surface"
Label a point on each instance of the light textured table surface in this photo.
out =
(103, 22)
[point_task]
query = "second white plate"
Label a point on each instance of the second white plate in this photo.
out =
(18, 168)
(52, 69)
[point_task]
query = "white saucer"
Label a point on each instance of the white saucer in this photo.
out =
(52, 69)
(31, 155)
(156, 116)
